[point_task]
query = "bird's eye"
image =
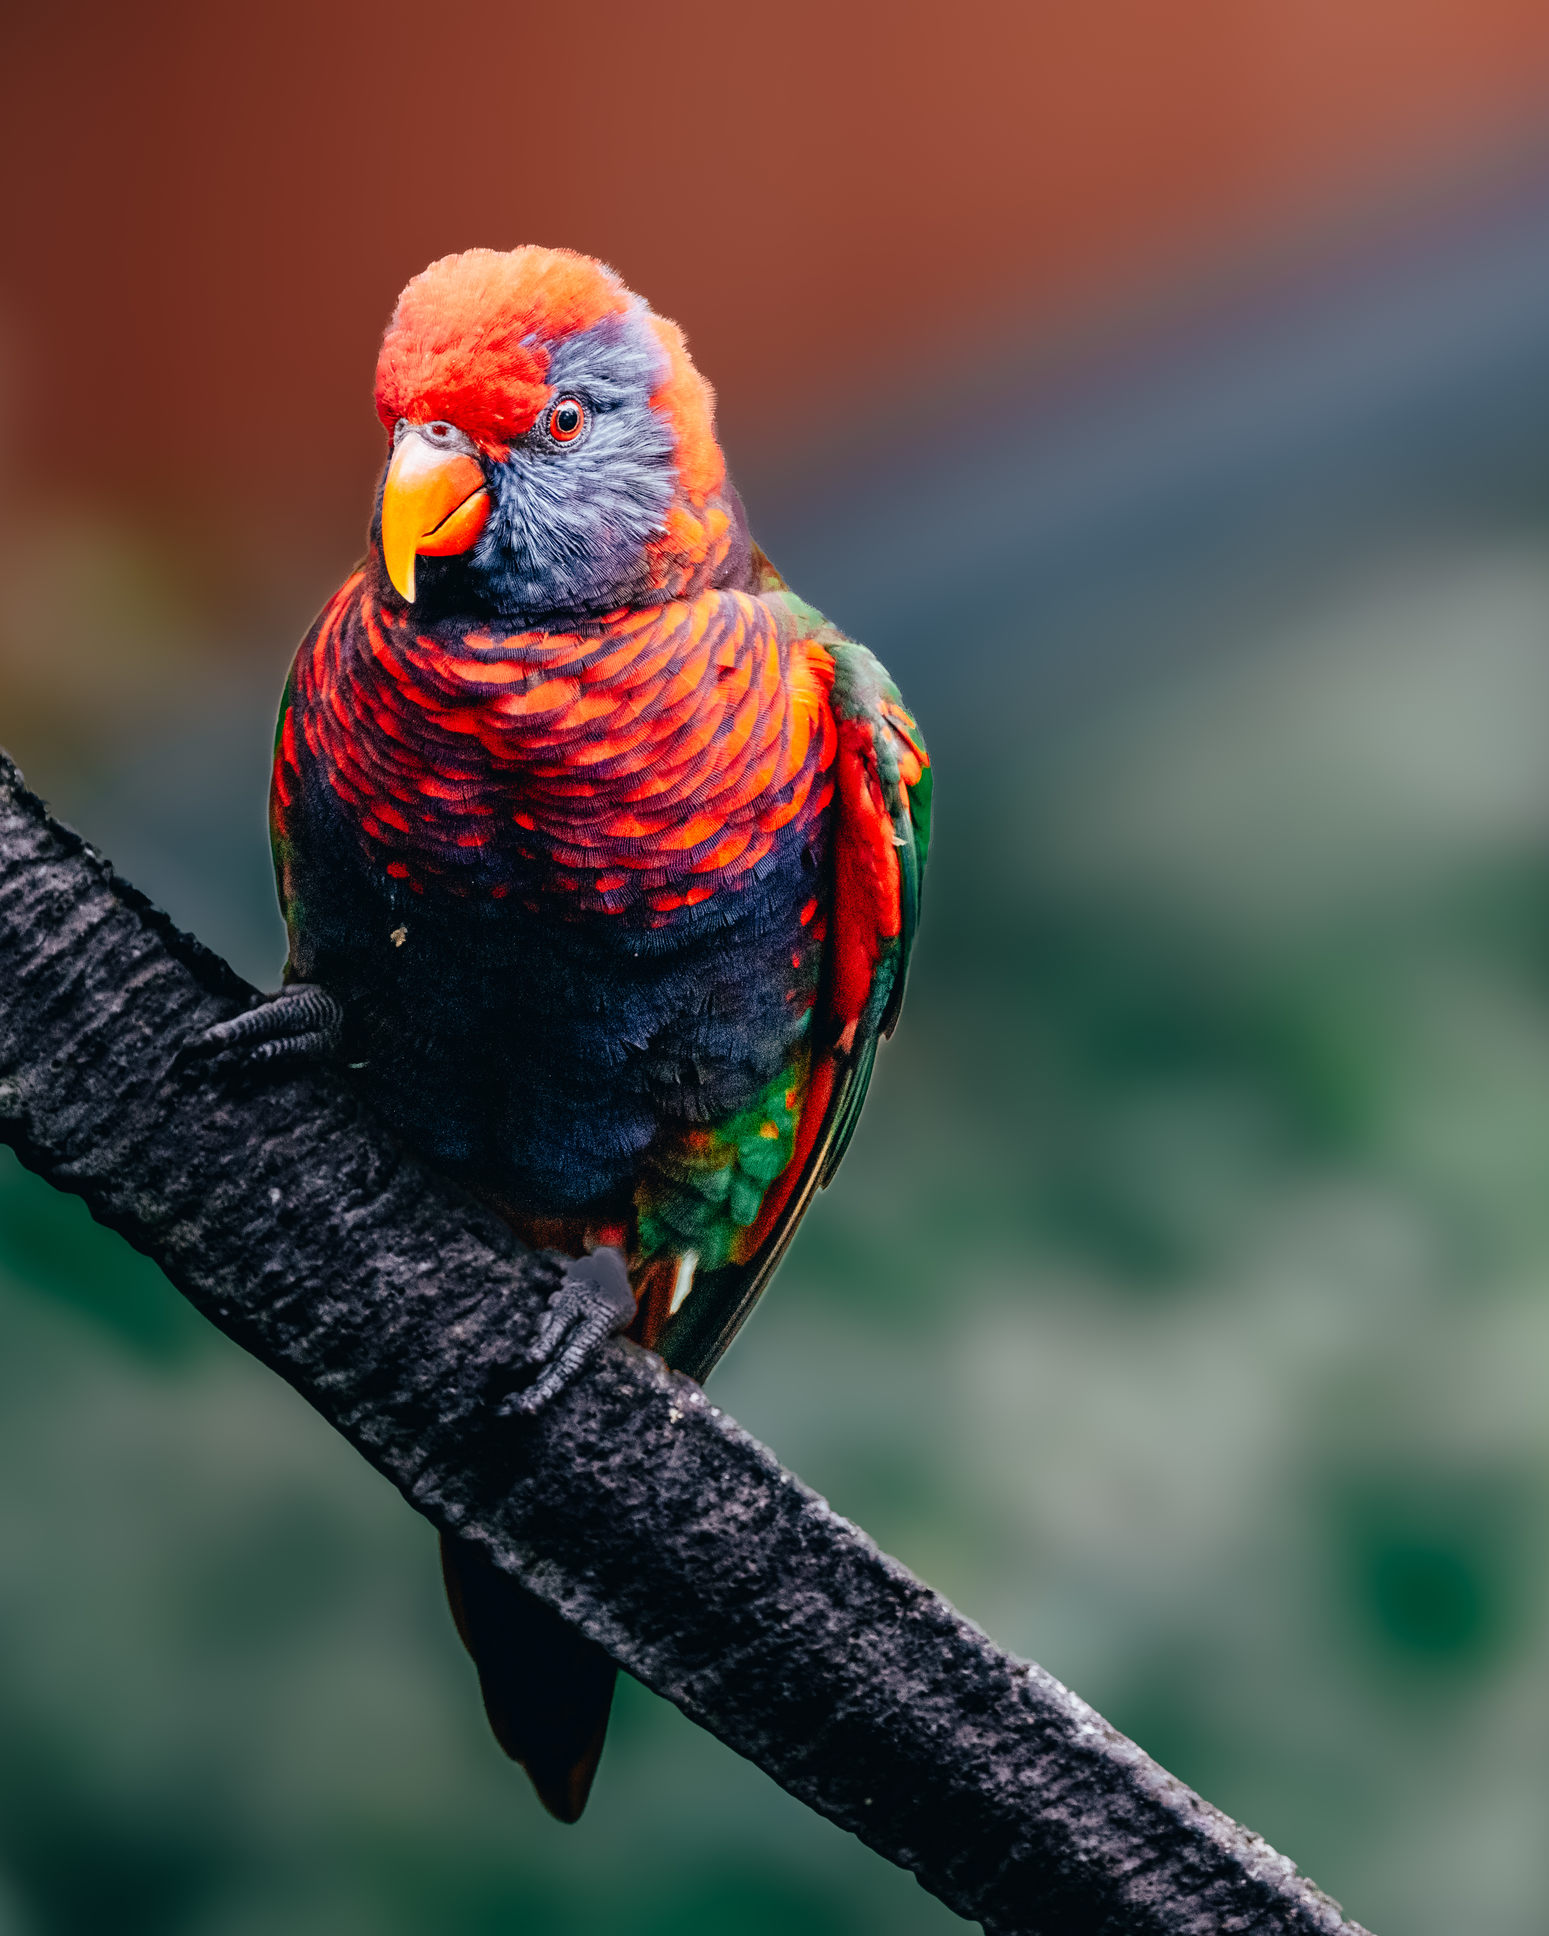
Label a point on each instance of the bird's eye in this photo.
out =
(567, 420)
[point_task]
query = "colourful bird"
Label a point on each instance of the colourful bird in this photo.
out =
(599, 852)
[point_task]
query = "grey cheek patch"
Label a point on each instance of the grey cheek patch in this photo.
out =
(572, 523)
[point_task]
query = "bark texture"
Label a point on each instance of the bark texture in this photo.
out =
(397, 1306)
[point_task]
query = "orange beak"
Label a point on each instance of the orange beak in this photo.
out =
(434, 504)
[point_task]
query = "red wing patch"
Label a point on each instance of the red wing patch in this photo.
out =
(866, 891)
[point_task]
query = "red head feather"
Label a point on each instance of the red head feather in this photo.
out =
(466, 342)
(688, 404)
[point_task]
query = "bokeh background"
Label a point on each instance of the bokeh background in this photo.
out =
(1163, 390)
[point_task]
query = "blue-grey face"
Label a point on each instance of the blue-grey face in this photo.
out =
(577, 499)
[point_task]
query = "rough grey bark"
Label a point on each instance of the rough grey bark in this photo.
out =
(396, 1306)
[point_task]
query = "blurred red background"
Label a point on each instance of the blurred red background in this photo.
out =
(211, 208)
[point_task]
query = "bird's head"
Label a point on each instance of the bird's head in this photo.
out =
(553, 448)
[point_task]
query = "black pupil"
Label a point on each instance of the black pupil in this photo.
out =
(567, 419)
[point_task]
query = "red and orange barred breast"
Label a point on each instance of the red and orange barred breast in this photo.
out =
(636, 766)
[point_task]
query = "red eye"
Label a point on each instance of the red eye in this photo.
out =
(567, 420)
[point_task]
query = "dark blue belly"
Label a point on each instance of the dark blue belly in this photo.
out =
(539, 1056)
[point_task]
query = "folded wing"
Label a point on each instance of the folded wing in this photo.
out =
(879, 837)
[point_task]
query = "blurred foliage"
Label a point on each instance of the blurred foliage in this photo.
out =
(1182, 1312)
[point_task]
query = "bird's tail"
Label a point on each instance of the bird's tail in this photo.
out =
(547, 1689)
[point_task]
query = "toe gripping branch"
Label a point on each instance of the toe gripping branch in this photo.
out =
(593, 1301)
(301, 1020)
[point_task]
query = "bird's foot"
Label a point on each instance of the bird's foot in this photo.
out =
(593, 1302)
(301, 1021)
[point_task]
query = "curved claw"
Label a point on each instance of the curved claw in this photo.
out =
(301, 1019)
(594, 1301)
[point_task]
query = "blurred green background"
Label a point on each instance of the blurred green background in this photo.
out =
(1182, 1311)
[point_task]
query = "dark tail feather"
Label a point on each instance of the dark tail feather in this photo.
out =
(547, 1689)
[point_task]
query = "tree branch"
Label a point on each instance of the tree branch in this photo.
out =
(396, 1306)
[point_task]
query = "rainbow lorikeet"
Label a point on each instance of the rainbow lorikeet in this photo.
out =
(599, 852)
